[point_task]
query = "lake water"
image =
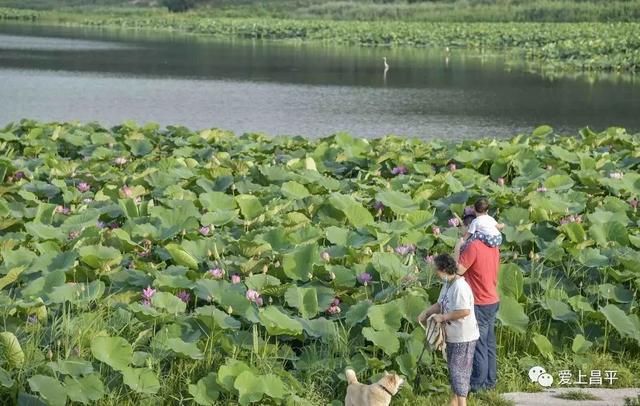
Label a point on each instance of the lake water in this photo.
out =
(109, 76)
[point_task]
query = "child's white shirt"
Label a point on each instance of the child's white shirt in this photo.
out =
(484, 224)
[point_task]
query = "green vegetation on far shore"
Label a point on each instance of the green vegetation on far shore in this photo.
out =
(374, 10)
(547, 47)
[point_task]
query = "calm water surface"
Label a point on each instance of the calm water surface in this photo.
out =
(62, 74)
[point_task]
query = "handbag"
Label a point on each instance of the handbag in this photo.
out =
(435, 336)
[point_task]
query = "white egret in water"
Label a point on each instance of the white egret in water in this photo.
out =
(386, 68)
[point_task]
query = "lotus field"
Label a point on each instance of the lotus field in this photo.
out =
(143, 265)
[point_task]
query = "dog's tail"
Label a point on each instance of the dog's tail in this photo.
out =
(351, 376)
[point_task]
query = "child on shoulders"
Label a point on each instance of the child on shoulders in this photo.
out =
(484, 227)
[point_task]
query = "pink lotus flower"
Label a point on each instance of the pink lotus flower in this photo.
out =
(325, 256)
(114, 224)
(205, 230)
(32, 319)
(577, 218)
(74, 234)
(452, 167)
(253, 296)
(500, 181)
(63, 210)
(469, 211)
(399, 170)
(634, 203)
(378, 206)
(541, 189)
(101, 224)
(19, 175)
(127, 191)
(121, 160)
(218, 273)
(184, 296)
(334, 309)
(364, 278)
(148, 293)
(235, 279)
(435, 230)
(335, 302)
(429, 259)
(616, 175)
(83, 187)
(146, 302)
(405, 249)
(454, 222)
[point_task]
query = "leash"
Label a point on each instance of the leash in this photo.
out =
(415, 382)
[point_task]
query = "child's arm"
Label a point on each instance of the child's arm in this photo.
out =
(500, 226)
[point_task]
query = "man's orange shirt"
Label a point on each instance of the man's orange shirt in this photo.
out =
(482, 263)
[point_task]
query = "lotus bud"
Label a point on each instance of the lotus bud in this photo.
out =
(277, 264)
(59, 343)
(184, 232)
(50, 354)
(270, 300)
(209, 253)
(531, 253)
(233, 186)
(416, 270)
(368, 251)
(452, 167)
(265, 269)
(634, 203)
(209, 298)
(310, 275)
(515, 255)
(332, 275)
(325, 256)
(230, 310)
(435, 230)
(82, 288)
(500, 181)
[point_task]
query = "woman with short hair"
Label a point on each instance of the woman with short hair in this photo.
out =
(454, 309)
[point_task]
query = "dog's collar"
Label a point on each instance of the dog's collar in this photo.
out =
(385, 389)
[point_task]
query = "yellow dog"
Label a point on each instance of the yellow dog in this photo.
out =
(376, 394)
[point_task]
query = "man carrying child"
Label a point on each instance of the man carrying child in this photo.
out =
(479, 260)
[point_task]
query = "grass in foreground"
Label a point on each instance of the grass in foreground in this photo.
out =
(577, 395)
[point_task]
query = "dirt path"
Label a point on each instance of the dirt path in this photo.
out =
(609, 397)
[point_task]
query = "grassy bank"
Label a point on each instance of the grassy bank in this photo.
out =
(143, 265)
(390, 10)
(552, 47)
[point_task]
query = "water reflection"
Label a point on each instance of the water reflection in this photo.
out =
(293, 88)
